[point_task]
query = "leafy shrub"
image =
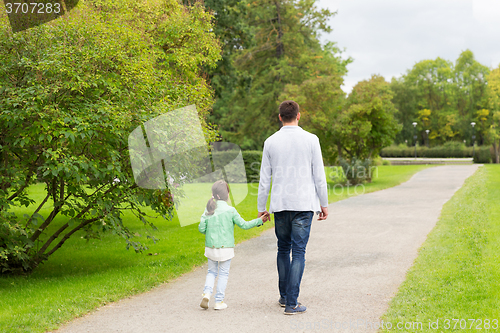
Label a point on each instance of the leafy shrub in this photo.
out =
(356, 171)
(377, 161)
(448, 150)
(484, 155)
(15, 245)
(335, 175)
(252, 159)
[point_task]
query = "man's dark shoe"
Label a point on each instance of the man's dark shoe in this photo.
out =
(282, 302)
(296, 310)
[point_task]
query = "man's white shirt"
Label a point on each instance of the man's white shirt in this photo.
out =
(292, 161)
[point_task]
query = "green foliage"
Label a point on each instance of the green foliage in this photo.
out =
(14, 244)
(356, 171)
(493, 132)
(253, 159)
(366, 123)
(483, 155)
(234, 34)
(443, 98)
(494, 135)
(449, 149)
(71, 92)
(320, 101)
(356, 128)
(286, 50)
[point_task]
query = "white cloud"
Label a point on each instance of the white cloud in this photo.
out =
(388, 37)
(486, 11)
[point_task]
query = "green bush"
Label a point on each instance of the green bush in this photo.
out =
(252, 159)
(356, 171)
(484, 155)
(448, 150)
(335, 175)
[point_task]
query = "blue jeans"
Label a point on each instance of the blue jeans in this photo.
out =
(222, 268)
(292, 230)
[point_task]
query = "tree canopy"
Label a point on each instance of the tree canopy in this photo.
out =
(366, 123)
(286, 50)
(443, 98)
(71, 91)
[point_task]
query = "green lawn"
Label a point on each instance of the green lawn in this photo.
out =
(84, 275)
(454, 282)
(383, 177)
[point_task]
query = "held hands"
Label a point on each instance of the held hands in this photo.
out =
(265, 216)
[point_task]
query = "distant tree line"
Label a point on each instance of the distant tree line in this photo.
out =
(272, 52)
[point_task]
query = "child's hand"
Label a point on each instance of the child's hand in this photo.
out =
(266, 217)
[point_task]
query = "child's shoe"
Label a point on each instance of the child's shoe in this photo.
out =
(220, 306)
(205, 300)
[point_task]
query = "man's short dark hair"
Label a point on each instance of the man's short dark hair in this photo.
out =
(289, 111)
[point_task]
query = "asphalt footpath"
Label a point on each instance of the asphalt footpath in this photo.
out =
(355, 262)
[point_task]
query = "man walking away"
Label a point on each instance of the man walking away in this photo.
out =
(292, 160)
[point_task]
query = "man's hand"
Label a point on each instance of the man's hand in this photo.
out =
(264, 216)
(324, 214)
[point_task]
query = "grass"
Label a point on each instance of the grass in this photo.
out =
(383, 177)
(456, 275)
(84, 275)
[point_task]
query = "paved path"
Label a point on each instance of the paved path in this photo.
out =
(356, 260)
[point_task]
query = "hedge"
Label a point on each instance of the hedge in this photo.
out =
(234, 172)
(482, 154)
(252, 159)
(456, 151)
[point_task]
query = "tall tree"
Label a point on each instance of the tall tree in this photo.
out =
(453, 93)
(470, 92)
(286, 51)
(234, 33)
(427, 85)
(366, 123)
(405, 101)
(320, 100)
(67, 125)
(493, 92)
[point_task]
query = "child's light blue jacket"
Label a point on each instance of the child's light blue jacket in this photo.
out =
(219, 227)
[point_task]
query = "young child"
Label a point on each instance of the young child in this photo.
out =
(217, 223)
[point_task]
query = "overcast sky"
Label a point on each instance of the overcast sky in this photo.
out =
(388, 37)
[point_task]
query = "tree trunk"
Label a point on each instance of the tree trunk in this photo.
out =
(496, 148)
(280, 50)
